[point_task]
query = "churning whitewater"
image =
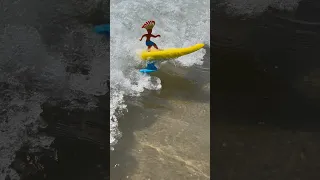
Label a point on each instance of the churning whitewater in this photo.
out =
(180, 23)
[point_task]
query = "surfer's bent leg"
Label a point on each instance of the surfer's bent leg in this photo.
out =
(150, 44)
(155, 46)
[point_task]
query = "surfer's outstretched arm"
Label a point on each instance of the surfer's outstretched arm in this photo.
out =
(155, 36)
(142, 36)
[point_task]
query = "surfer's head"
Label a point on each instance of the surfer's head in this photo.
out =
(149, 25)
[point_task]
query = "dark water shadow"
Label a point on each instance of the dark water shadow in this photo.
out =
(264, 127)
(76, 159)
(80, 149)
(259, 79)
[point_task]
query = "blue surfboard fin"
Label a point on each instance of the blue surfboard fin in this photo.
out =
(147, 71)
(151, 67)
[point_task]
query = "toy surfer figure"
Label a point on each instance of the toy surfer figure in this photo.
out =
(148, 26)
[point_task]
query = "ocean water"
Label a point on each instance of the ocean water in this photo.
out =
(180, 24)
(46, 51)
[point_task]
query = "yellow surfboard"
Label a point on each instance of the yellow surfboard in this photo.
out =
(169, 53)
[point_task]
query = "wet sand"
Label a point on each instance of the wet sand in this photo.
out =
(166, 134)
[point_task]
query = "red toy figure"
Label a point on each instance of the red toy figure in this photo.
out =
(148, 26)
